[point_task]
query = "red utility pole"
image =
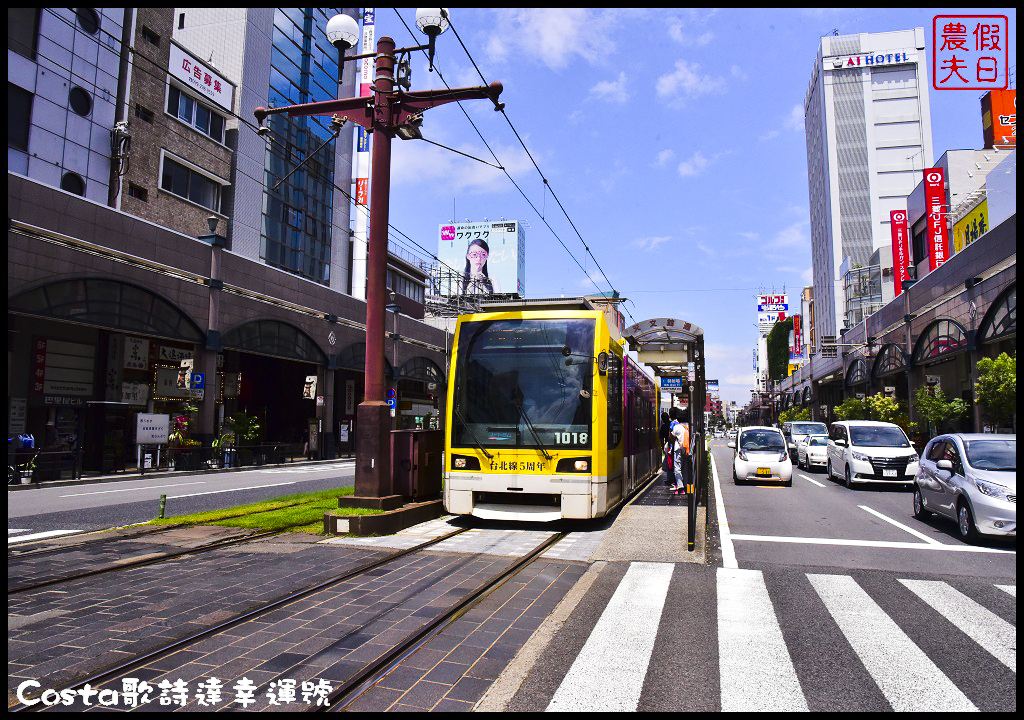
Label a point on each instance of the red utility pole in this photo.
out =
(384, 113)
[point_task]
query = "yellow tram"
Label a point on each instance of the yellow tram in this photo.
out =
(547, 418)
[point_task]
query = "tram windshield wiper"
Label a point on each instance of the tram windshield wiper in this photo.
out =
(533, 430)
(471, 433)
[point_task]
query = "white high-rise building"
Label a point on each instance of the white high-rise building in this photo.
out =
(868, 130)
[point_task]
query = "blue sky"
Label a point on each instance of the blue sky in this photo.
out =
(672, 138)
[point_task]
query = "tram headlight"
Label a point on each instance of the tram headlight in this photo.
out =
(571, 465)
(465, 462)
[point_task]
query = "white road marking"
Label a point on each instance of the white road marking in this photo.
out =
(728, 549)
(11, 531)
(871, 543)
(609, 672)
(804, 477)
(755, 668)
(901, 526)
(1010, 589)
(149, 487)
(39, 536)
(214, 492)
(906, 676)
(983, 626)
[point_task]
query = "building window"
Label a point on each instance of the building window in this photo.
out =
(187, 183)
(73, 183)
(88, 20)
(194, 113)
(138, 192)
(143, 113)
(181, 21)
(19, 112)
(23, 31)
(80, 101)
(149, 36)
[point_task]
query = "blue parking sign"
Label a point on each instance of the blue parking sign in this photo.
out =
(198, 381)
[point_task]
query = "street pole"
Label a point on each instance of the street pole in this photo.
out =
(384, 113)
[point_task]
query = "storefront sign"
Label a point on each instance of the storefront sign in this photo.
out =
(173, 354)
(935, 207)
(16, 416)
(309, 390)
(134, 393)
(350, 397)
(970, 227)
(152, 428)
(194, 74)
(900, 248)
(999, 118)
(169, 383)
(136, 353)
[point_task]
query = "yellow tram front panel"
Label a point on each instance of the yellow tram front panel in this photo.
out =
(527, 429)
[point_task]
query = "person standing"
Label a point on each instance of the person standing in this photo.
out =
(681, 441)
(665, 436)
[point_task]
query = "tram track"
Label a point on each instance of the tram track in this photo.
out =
(100, 679)
(147, 559)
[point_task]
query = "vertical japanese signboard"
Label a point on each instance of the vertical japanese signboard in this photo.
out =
(900, 248)
(935, 207)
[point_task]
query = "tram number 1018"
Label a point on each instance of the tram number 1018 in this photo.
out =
(571, 438)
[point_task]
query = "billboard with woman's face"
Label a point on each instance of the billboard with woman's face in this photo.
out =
(486, 258)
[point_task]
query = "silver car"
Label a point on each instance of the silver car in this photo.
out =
(972, 479)
(812, 450)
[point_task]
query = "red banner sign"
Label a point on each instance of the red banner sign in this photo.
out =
(797, 345)
(935, 207)
(900, 248)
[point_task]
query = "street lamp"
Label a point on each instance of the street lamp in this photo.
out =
(388, 112)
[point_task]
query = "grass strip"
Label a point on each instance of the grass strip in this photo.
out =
(299, 512)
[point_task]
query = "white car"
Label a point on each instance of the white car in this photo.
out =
(762, 455)
(866, 451)
(812, 450)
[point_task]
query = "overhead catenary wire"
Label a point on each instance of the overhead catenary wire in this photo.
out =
(547, 184)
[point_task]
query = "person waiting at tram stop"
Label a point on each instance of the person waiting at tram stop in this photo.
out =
(681, 464)
(665, 436)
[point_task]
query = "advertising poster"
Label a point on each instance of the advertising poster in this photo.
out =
(488, 258)
(970, 227)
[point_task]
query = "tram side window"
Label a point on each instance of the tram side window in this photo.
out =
(614, 400)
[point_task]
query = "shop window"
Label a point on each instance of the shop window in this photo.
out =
(1001, 319)
(941, 338)
(890, 360)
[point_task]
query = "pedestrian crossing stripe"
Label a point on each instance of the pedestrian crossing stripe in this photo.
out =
(37, 536)
(756, 671)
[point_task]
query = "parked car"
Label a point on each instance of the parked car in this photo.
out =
(797, 430)
(972, 479)
(863, 451)
(812, 450)
(762, 455)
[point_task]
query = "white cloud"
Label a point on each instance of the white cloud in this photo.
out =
(649, 243)
(795, 121)
(807, 276)
(685, 33)
(695, 165)
(686, 81)
(792, 236)
(664, 157)
(555, 36)
(419, 162)
(616, 91)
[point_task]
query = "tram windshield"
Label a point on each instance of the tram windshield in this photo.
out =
(516, 387)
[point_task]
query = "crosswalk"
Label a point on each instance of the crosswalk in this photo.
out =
(784, 640)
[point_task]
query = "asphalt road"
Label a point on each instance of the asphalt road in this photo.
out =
(91, 506)
(820, 523)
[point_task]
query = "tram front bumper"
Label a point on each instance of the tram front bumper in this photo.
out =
(521, 497)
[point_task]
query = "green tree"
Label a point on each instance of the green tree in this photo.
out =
(795, 414)
(851, 409)
(932, 406)
(996, 389)
(778, 349)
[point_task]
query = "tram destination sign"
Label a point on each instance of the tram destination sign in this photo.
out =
(671, 383)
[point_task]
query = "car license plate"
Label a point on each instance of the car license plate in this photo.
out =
(888, 473)
(767, 472)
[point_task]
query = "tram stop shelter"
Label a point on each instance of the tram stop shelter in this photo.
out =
(674, 350)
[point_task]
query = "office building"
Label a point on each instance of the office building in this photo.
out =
(868, 129)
